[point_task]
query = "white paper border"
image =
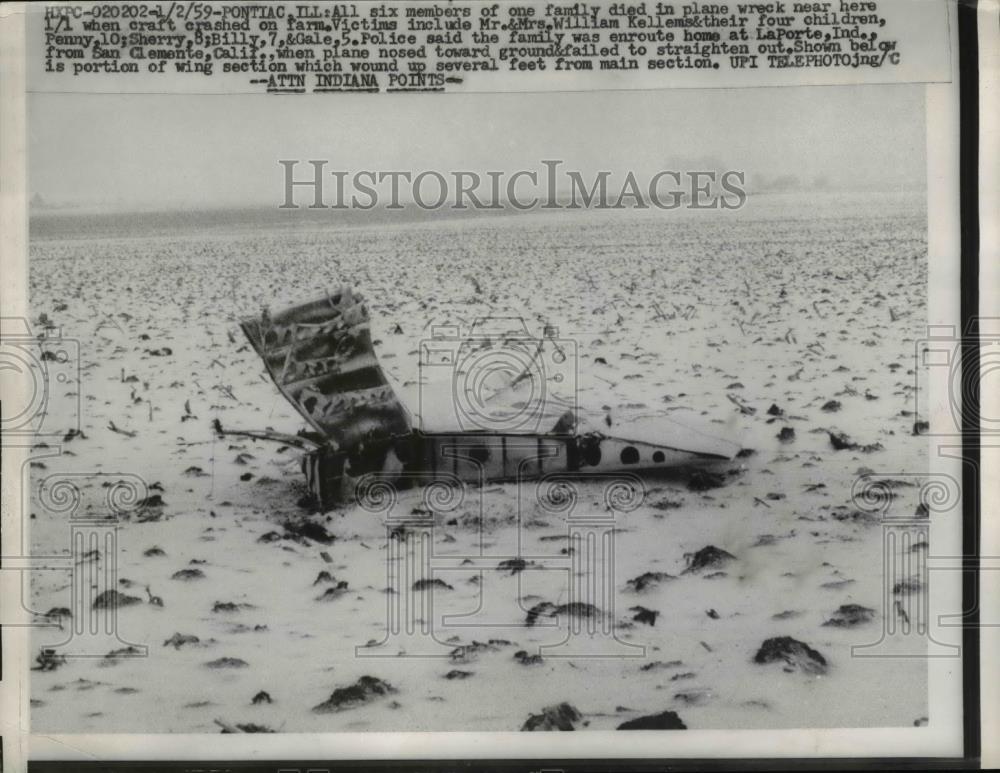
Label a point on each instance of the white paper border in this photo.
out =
(943, 736)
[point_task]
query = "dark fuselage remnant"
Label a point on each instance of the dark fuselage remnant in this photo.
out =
(478, 458)
(321, 357)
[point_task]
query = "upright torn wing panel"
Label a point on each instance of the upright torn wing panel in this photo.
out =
(320, 355)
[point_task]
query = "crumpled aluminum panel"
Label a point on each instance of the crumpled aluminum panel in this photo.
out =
(320, 356)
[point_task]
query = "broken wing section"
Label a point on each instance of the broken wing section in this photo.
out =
(320, 356)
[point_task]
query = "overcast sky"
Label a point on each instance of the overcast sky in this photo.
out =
(161, 151)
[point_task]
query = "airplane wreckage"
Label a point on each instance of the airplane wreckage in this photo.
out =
(321, 356)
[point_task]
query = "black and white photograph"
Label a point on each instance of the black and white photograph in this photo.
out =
(422, 395)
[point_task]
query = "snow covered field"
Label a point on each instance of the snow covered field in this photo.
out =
(810, 305)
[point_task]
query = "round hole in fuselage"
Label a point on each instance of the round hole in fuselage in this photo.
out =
(630, 455)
